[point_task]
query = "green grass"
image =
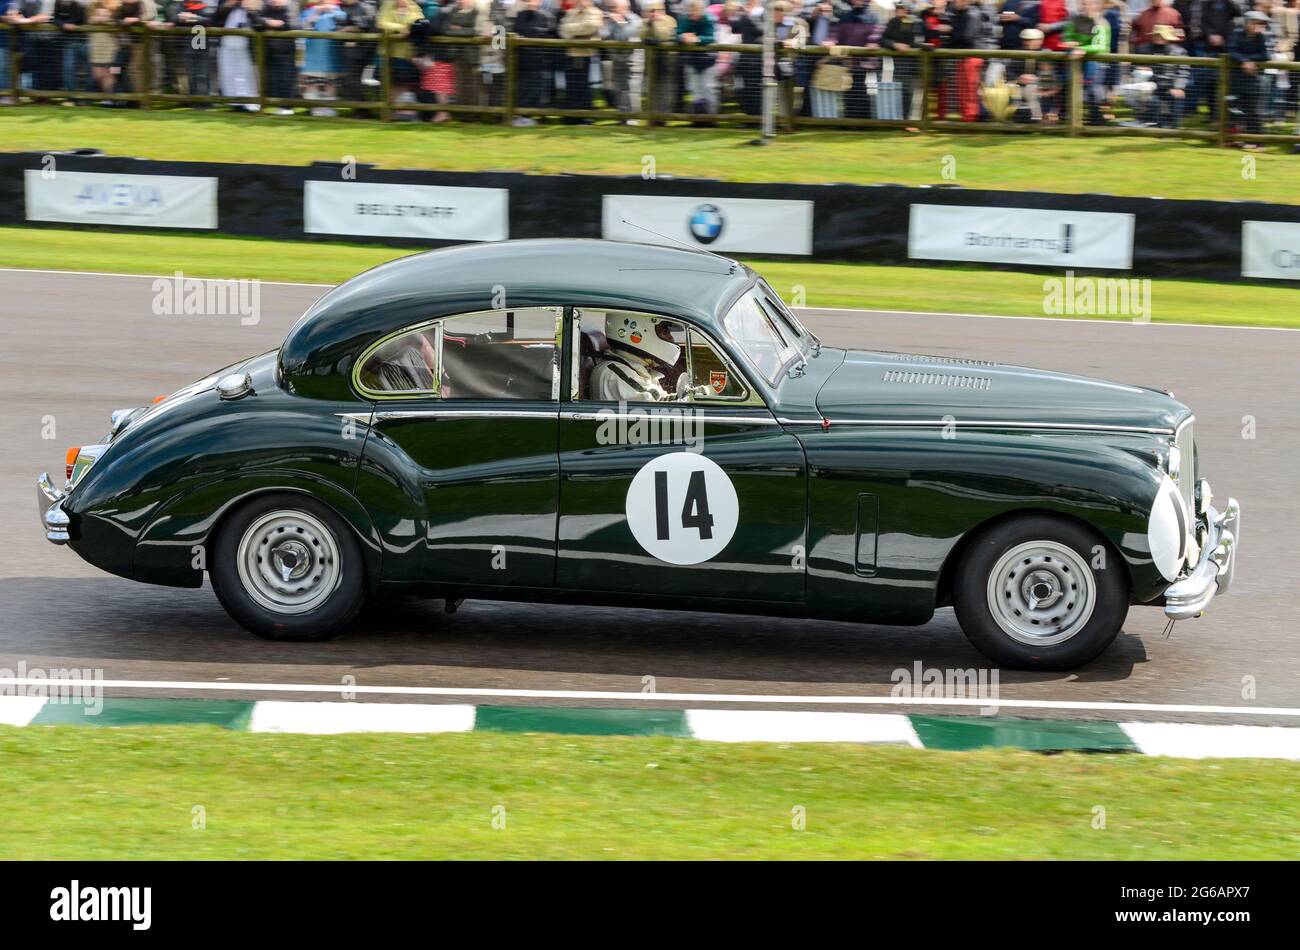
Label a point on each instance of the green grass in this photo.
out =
(955, 289)
(72, 792)
(1121, 166)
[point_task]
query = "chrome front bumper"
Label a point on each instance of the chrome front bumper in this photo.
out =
(49, 502)
(1213, 573)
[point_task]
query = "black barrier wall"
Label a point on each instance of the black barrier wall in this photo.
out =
(861, 223)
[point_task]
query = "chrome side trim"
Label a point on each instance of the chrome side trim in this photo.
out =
(385, 415)
(685, 410)
(984, 424)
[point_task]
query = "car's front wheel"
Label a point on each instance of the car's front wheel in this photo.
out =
(286, 567)
(1040, 592)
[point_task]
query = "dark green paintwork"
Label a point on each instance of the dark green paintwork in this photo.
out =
(431, 500)
(228, 714)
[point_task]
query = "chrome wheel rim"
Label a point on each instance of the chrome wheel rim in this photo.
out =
(288, 562)
(1041, 593)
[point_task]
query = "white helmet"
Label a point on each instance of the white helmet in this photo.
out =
(640, 333)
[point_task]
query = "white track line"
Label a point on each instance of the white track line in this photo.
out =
(850, 310)
(687, 698)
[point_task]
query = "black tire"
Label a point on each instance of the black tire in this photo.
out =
(972, 593)
(336, 607)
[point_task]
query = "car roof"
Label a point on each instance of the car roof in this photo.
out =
(500, 275)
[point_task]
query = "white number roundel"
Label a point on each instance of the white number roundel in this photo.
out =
(682, 508)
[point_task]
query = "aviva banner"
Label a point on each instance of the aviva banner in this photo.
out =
(1020, 236)
(751, 225)
(150, 201)
(430, 212)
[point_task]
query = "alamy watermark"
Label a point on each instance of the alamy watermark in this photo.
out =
(207, 297)
(668, 425)
(922, 682)
(1098, 297)
(64, 687)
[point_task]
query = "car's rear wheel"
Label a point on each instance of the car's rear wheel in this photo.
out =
(1039, 592)
(286, 567)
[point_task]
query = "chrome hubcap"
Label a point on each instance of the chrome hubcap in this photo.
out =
(1041, 593)
(288, 562)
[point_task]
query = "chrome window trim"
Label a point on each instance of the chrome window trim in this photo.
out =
(437, 324)
(574, 415)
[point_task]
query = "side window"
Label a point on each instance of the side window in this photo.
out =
(496, 354)
(635, 357)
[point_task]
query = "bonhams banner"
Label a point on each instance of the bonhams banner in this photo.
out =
(151, 201)
(430, 212)
(752, 225)
(1020, 236)
(1270, 249)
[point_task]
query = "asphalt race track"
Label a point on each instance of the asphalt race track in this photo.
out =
(78, 346)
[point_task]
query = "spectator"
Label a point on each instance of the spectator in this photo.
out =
(623, 25)
(821, 31)
(905, 31)
(536, 73)
(748, 28)
(188, 16)
(69, 15)
(859, 26)
(136, 15)
(104, 47)
(968, 32)
(695, 28)
(791, 34)
(279, 16)
(236, 75)
(321, 62)
(6, 72)
(1169, 82)
(1160, 13)
(1084, 34)
(394, 20)
(1015, 16)
(584, 21)
(40, 64)
(660, 29)
(355, 55)
(1036, 80)
(1207, 24)
(1249, 48)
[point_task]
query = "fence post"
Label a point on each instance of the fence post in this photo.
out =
(648, 83)
(386, 76)
(512, 79)
(927, 74)
(146, 67)
(1225, 82)
(1075, 93)
(259, 47)
(15, 67)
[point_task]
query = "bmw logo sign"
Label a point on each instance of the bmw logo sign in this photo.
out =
(707, 223)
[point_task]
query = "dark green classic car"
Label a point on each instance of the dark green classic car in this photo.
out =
(609, 423)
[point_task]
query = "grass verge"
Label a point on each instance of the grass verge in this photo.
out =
(79, 793)
(1120, 166)
(948, 289)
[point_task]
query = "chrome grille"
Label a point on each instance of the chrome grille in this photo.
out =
(1187, 475)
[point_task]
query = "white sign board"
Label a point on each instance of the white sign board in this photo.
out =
(153, 201)
(1270, 249)
(751, 225)
(1021, 236)
(430, 212)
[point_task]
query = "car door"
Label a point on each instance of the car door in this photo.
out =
(468, 405)
(704, 496)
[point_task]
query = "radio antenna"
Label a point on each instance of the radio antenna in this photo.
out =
(731, 265)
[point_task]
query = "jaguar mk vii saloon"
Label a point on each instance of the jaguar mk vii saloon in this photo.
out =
(607, 423)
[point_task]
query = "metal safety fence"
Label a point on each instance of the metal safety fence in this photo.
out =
(519, 80)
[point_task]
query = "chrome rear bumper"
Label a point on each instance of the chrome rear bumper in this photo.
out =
(1213, 573)
(49, 501)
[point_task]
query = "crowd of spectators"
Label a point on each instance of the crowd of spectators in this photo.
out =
(996, 82)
